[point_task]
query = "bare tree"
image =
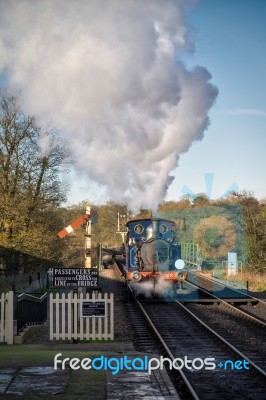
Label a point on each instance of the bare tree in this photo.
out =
(30, 182)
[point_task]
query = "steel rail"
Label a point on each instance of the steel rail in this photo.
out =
(225, 342)
(168, 351)
(166, 348)
(260, 370)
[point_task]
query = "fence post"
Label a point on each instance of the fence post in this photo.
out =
(51, 316)
(112, 316)
(9, 317)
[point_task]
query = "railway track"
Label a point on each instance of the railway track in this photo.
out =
(182, 334)
(193, 331)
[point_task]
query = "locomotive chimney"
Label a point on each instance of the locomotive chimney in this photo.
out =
(155, 228)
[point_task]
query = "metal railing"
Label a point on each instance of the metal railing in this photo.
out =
(30, 310)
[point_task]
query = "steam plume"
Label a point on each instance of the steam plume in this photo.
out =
(108, 74)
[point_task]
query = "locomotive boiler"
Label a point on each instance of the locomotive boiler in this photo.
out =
(153, 259)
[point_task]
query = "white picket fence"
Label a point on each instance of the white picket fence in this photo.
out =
(67, 323)
(6, 317)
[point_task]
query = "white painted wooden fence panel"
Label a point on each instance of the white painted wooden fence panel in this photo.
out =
(66, 321)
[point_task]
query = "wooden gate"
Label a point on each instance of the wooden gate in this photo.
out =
(68, 320)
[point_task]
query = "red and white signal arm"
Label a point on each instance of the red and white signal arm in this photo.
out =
(78, 222)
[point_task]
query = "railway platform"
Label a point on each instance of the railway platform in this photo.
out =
(140, 385)
(35, 376)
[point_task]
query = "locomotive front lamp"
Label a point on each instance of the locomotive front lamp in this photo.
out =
(179, 264)
(136, 276)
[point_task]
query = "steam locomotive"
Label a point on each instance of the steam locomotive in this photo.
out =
(153, 260)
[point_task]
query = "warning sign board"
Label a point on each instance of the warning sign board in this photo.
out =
(75, 277)
(92, 308)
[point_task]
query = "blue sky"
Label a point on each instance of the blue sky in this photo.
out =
(230, 42)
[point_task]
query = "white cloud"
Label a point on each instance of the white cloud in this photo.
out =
(105, 72)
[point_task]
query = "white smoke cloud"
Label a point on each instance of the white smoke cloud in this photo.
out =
(108, 74)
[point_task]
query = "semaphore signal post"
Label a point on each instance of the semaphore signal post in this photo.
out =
(90, 217)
